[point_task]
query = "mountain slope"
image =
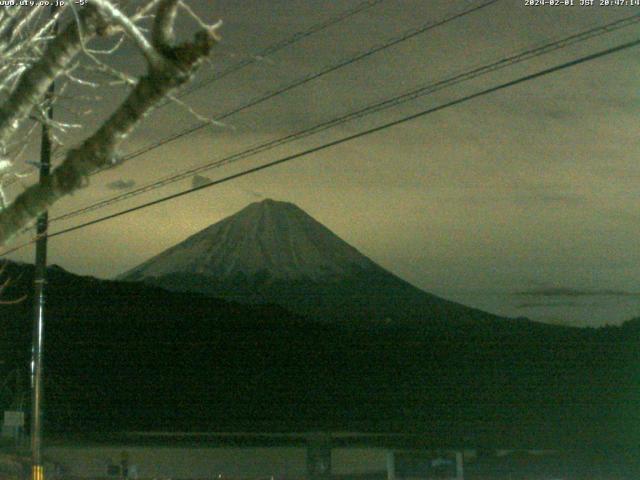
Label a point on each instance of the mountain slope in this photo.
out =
(273, 252)
(276, 238)
(124, 356)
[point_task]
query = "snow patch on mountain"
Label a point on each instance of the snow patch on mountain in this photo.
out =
(269, 237)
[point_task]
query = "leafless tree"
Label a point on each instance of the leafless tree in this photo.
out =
(34, 53)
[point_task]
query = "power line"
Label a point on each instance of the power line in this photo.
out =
(308, 78)
(374, 108)
(407, 35)
(364, 133)
(276, 47)
(270, 50)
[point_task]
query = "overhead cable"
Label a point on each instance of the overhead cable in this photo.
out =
(408, 118)
(368, 110)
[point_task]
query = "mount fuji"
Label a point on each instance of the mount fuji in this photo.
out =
(274, 252)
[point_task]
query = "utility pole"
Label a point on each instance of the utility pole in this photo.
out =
(39, 300)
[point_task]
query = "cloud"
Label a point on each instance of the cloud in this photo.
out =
(574, 292)
(540, 198)
(253, 193)
(121, 184)
(526, 305)
(558, 114)
(566, 198)
(199, 181)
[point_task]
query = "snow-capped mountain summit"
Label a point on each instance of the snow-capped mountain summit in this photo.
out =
(274, 252)
(271, 238)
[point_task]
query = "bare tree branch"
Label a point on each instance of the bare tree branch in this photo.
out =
(177, 66)
(162, 34)
(3, 287)
(34, 83)
(116, 16)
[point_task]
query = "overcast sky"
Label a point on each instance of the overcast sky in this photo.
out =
(524, 202)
